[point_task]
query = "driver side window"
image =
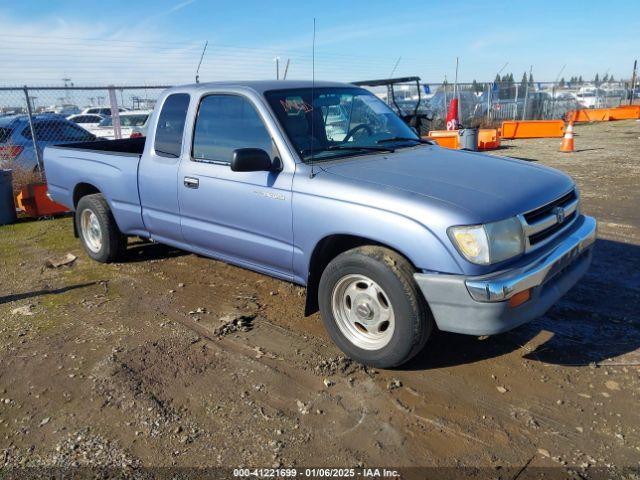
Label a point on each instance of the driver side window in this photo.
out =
(226, 123)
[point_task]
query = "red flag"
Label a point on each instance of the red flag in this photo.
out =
(452, 115)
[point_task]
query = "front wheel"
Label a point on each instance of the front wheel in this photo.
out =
(98, 231)
(371, 307)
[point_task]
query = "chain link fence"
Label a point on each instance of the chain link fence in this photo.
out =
(33, 117)
(490, 103)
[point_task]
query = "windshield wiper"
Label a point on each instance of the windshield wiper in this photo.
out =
(362, 147)
(347, 148)
(406, 139)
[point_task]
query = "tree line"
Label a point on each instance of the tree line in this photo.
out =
(507, 82)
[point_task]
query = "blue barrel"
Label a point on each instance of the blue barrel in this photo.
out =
(7, 207)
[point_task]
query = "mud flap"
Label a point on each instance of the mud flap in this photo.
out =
(311, 305)
(75, 226)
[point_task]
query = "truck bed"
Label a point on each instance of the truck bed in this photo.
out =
(131, 146)
(106, 166)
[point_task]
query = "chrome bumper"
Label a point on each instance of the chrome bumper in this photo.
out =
(501, 286)
(479, 305)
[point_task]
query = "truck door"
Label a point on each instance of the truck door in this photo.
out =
(242, 217)
(158, 172)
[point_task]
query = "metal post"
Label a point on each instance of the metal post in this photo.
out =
(526, 94)
(115, 113)
(33, 133)
(446, 105)
(633, 81)
(515, 110)
(489, 93)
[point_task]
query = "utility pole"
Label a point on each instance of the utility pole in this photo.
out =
(277, 60)
(634, 77)
(286, 70)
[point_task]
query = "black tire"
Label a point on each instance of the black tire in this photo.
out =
(113, 242)
(394, 274)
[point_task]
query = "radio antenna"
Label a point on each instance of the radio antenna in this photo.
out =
(200, 63)
(313, 84)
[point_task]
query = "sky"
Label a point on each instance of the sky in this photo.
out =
(161, 41)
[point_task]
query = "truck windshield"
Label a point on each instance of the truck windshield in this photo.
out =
(338, 122)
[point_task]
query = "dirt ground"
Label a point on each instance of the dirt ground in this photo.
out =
(171, 359)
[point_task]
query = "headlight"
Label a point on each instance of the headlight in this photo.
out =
(489, 243)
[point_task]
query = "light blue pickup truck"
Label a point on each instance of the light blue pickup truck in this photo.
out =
(391, 235)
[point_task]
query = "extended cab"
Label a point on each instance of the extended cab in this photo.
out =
(323, 185)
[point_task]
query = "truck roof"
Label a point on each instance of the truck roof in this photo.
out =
(261, 86)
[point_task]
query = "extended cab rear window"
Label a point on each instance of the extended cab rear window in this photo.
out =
(168, 140)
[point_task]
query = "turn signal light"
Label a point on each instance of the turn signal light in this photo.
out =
(519, 298)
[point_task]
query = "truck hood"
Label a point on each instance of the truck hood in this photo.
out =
(488, 187)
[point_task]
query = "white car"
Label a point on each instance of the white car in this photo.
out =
(590, 97)
(132, 124)
(87, 121)
(102, 110)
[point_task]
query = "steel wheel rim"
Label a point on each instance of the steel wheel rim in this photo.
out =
(363, 312)
(91, 231)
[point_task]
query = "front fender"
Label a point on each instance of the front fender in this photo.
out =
(315, 218)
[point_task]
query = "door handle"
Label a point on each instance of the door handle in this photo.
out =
(191, 182)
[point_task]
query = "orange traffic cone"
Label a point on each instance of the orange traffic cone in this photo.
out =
(567, 140)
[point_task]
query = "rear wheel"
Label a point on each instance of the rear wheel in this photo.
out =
(372, 308)
(98, 231)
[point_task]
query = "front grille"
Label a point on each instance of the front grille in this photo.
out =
(534, 215)
(548, 221)
(546, 233)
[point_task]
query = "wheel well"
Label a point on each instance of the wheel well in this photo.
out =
(326, 250)
(81, 190)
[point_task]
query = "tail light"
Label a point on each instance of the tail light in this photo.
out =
(10, 152)
(136, 135)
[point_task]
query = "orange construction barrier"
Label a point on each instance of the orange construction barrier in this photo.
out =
(623, 112)
(488, 139)
(445, 138)
(532, 129)
(33, 200)
(567, 140)
(589, 115)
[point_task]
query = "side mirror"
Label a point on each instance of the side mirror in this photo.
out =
(250, 160)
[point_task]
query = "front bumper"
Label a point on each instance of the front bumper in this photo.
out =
(480, 305)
